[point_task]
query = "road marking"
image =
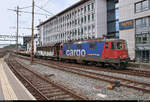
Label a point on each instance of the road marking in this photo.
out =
(7, 89)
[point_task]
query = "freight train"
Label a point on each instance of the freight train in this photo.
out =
(99, 51)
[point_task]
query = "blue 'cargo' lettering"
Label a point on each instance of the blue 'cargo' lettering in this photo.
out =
(76, 53)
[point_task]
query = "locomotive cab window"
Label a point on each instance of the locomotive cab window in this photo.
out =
(79, 46)
(106, 45)
(117, 45)
(92, 46)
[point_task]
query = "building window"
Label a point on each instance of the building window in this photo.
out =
(78, 11)
(78, 20)
(142, 6)
(93, 16)
(82, 20)
(117, 25)
(92, 6)
(142, 22)
(142, 38)
(88, 7)
(84, 8)
(85, 29)
(82, 31)
(138, 23)
(81, 10)
(145, 40)
(75, 32)
(93, 27)
(145, 5)
(78, 31)
(89, 28)
(85, 19)
(75, 22)
(117, 14)
(88, 17)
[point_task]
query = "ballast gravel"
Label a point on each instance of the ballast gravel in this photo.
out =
(94, 89)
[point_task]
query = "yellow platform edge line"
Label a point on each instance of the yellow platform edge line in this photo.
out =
(29, 94)
(8, 92)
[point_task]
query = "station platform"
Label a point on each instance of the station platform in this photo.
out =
(10, 87)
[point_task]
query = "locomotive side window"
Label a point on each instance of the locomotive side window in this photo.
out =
(119, 45)
(79, 46)
(112, 45)
(106, 45)
(92, 46)
(68, 47)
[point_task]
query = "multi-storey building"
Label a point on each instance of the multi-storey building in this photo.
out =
(135, 27)
(86, 19)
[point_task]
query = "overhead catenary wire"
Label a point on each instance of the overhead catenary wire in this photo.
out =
(44, 10)
(23, 28)
(29, 12)
(25, 7)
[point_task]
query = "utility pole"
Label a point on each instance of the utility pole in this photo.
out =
(32, 37)
(17, 28)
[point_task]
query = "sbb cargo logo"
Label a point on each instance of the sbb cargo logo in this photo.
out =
(76, 53)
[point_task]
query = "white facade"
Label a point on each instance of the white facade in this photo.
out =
(84, 20)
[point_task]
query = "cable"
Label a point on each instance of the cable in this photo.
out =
(29, 12)
(25, 7)
(44, 10)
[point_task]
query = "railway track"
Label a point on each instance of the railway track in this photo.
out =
(133, 72)
(141, 86)
(2, 54)
(41, 87)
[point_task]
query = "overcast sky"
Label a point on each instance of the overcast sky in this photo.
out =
(8, 18)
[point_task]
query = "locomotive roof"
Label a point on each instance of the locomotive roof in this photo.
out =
(93, 40)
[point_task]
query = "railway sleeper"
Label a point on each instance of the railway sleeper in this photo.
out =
(48, 88)
(50, 91)
(62, 98)
(43, 85)
(55, 94)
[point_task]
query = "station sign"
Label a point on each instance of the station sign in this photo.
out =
(126, 25)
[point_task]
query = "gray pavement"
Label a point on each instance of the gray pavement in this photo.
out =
(19, 89)
(1, 92)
